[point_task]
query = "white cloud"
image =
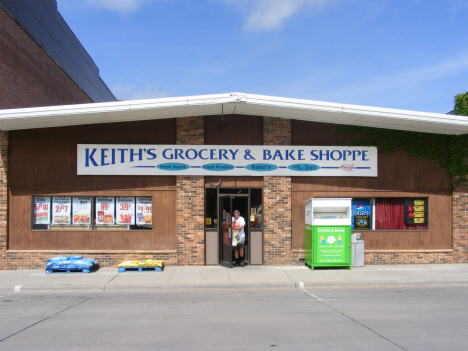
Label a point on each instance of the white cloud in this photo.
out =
(417, 77)
(122, 6)
(411, 89)
(267, 15)
(130, 92)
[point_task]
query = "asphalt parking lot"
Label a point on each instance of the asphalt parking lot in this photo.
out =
(374, 308)
(349, 318)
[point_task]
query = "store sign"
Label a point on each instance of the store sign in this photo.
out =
(360, 211)
(415, 211)
(232, 160)
(82, 210)
(105, 210)
(144, 213)
(125, 210)
(61, 206)
(41, 212)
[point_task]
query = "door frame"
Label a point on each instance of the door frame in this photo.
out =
(213, 234)
(223, 261)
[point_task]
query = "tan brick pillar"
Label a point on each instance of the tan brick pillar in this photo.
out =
(460, 223)
(190, 199)
(277, 199)
(4, 147)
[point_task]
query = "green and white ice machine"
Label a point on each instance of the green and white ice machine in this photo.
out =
(328, 232)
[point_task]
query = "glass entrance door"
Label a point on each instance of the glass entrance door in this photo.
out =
(225, 231)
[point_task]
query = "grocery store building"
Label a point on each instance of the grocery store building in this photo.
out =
(155, 178)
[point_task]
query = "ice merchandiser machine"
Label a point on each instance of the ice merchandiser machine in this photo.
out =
(328, 232)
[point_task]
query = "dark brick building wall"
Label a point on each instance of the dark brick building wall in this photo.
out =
(29, 77)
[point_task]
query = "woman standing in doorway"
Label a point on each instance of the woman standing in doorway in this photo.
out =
(238, 238)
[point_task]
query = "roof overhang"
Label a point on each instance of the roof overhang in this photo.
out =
(232, 103)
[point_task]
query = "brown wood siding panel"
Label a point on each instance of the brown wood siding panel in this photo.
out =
(43, 162)
(315, 133)
(46, 158)
(233, 130)
(399, 175)
(396, 172)
(162, 237)
(236, 182)
(438, 235)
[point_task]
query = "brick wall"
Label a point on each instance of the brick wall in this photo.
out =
(277, 199)
(276, 131)
(28, 75)
(407, 257)
(277, 219)
(4, 146)
(190, 199)
(460, 223)
(30, 259)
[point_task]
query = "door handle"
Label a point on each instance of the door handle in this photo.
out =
(229, 230)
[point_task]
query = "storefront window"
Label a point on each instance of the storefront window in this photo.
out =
(389, 214)
(92, 213)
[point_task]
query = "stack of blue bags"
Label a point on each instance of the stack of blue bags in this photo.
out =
(70, 263)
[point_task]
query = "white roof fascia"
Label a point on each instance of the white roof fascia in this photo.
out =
(232, 103)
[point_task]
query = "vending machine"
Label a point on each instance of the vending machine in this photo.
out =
(328, 232)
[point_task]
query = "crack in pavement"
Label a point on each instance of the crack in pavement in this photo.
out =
(105, 285)
(319, 300)
(48, 317)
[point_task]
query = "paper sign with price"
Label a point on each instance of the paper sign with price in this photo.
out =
(105, 208)
(61, 209)
(125, 210)
(41, 209)
(82, 210)
(144, 211)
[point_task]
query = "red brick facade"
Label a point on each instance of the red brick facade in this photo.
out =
(190, 199)
(27, 259)
(276, 131)
(28, 75)
(4, 146)
(277, 199)
(460, 223)
(277, 212)
(407, 256)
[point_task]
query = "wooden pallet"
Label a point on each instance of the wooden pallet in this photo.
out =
(48, 271)
(141, 269)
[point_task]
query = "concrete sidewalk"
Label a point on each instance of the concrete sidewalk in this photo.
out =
(216, 277)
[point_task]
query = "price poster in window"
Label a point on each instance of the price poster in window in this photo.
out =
(82, 210)
(415, 211)
(125, 210)
(360, 212)
(144, 211)
(41, 209)
(105, 208)
(61, 209)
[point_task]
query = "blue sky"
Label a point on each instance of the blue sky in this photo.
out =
(405, 54)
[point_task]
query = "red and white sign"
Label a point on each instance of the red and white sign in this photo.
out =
(144, 213)
(125, 210)
(61, 209)
(41, 209)
(105, 209)
(82, 210)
